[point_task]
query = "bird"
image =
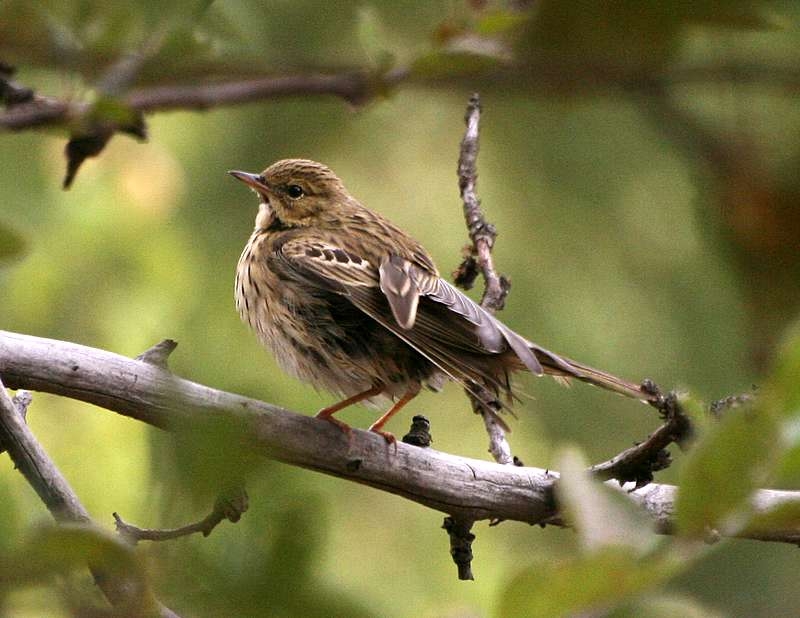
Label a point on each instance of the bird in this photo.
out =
(350, 303)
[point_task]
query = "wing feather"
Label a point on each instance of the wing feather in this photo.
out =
(419, 307)
(425, 310)
(400, 290)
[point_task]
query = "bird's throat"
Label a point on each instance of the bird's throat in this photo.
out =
(265, 217)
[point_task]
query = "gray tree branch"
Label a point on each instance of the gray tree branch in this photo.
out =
(466, 489)
(355, 87)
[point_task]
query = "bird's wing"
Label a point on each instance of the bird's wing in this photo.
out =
(326, 265)
(331, 269)
(449, 315)
(425, 311)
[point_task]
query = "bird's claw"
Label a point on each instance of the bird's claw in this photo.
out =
(343, 427)
(389, 437)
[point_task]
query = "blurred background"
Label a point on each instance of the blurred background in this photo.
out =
(639, 160)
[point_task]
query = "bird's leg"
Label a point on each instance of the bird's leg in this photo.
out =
(326, 414)
(412, 392)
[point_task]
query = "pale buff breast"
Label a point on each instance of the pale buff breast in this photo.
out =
(278, 325)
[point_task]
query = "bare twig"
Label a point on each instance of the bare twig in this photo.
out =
(90, 131)
(499, 447)
(467, 489)
(38, 111)
(638, 463)
(59, 498)
(481, 233)
(478, 257)
(358, 87)
(229, 506)
(718, 408)
(354, 87)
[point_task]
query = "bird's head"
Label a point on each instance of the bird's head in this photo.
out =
(296, 192)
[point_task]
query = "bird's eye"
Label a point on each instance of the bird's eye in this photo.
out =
(295, 191)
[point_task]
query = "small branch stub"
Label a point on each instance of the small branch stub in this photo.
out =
(460, 545)
(22, 400)
(420, 432)
(159, 353)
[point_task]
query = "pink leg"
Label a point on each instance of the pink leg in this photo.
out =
(326, 414)
(412, 392)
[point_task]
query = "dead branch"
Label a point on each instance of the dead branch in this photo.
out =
(467, 489)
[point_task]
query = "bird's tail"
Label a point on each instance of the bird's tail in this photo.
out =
(563, 368)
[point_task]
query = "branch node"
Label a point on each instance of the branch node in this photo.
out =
(464, 276)
(420, 432)
(159, 353)
(460, 545)
(21, 402)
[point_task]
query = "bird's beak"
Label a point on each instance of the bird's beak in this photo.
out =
(251, 180)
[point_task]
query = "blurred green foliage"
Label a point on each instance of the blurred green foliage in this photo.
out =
(648, 231)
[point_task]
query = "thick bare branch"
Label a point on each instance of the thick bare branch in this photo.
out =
(466, 489)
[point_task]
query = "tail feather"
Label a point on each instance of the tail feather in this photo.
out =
(562, 368)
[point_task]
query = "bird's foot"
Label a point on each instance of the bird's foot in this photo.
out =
(389, 437)
(344, 427)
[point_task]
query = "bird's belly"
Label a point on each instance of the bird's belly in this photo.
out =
(323, 339)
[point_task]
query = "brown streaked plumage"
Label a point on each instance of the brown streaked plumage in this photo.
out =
(352, 304)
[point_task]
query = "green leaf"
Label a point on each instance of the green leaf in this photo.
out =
(782, 394)
(621, 557)
(724, 468)
(665, 607)
(782, 518)
(584, 585)
(443, 64)
(112, 111)
(60, 549)
(783, 391)
(602, 516)
(746, 16)
(12, 245)
(499, 22)
(372, 37)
